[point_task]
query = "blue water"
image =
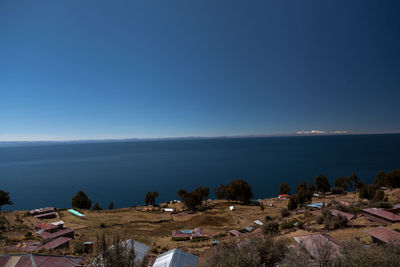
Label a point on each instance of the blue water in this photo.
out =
(122, 172)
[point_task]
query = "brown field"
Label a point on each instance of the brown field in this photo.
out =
(154, 227)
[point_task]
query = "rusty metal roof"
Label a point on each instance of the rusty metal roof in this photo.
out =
(56, 234)
(29, 260)
(54, 244)
(345, 214)
(384, 234)
(383, 214)
(46, 226)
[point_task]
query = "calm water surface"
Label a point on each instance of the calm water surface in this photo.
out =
(43, 175)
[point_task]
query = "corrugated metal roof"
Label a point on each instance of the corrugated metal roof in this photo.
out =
(176, 258)
(139, 248)
(29, 260)
(312, 242)
(62, 232)
(345, 214)
(383, 214)
(384, 234)
(54, 244)
(46, 226)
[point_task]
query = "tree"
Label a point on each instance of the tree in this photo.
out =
(195, 198)
(367, 191)
(284, 188)
(342, 182)
(380, 179)
(119, 253)
(292, 205)
(322, 183)
(239, 190)
(97, 207)
(285, 212)
(150, 198)
(111, 206)
(81, 201)
(219, 191)
(353, 179)
(5, 198)
(310, 191)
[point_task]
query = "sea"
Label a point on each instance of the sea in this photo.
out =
(50, 174)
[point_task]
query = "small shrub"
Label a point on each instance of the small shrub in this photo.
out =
(268, 218)
(103, 225)
(79, 248)
(270, 227)
(337, 190)
(382, 204)
(286, 225)
(319, 220)
(285, 213)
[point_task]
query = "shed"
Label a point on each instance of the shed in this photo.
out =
(316, 205)
(176, 258)
(48, 215)
(312, 243)
(258, 222)
(249, 228)
(58, 243)
(88, 246)
(64, 232)
(39, 260)
(235, 233)
(231, 208)
(59, 224)
(345, 214)
(283, 196)
(382, 214)
(383, 235)
(168, 209)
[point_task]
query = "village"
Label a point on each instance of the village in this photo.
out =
(170, 233)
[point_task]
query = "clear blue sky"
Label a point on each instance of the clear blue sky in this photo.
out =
(115, 69)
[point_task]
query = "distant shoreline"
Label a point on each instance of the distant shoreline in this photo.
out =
(87, 141)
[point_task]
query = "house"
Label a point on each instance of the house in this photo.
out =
(42, 210)
(283, 196)
(88, 246)
(383, 235)
(231, 208)
(258, 222)
(249, 228)
(344, 214)
(39, 260)
(313, 243)
(381, 216)
(58, 243)
(176, 258)
(64, 232)
(234, 233)
(188, 234)
(45, 227)
(48, 215)
(168, 209)
(316, 205)
(59, 224)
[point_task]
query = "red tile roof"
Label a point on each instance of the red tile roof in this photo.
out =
(384, 234)
(383, 214)
(345, 214)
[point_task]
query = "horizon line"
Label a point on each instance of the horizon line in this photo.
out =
(299, 133)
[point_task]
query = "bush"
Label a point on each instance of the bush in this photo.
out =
(287, 224)
(292, 205)
(103, 225)
(337, 190)
(79, 248)
(382, 204)
(319, 220)
(270, 227)
(97, 207)
(285, 213)
(268, 218)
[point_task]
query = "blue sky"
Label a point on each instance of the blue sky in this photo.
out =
(118, 69)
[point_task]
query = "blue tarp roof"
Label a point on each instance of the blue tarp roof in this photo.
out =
(76, 212)
(316, 205)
